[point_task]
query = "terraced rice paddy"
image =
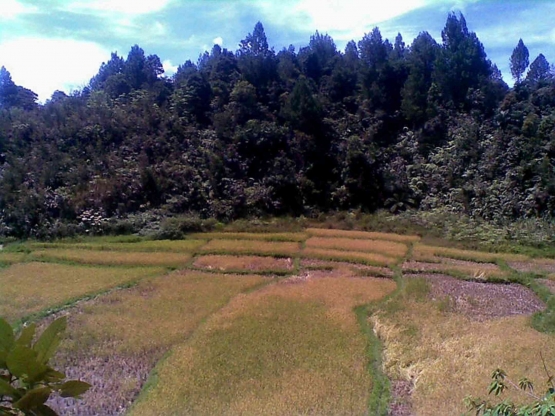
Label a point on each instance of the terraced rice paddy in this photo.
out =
(265, 323)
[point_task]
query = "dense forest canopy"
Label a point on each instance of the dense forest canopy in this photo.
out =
(255, 132)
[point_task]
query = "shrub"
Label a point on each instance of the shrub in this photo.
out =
(26, 379)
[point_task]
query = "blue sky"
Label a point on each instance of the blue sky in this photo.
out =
(60, 44)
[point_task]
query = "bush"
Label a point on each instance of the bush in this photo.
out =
(26, 379)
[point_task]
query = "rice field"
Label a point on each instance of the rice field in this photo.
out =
(388, 248)
(251, 247)
(431, 253)
(371, 259)
(286, 349)
(249, 264)
(30, 288)
(176, 246)
(114, 258)
(264, 323)
(324, 232)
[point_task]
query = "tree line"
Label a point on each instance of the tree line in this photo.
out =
(256, 132)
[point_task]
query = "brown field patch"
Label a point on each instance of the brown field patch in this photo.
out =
(355, 269)
(470, 269)
(119, 258)
(284, 349)
(295, 237)
(535, 265)
(372, 259)
(269, 248)
(114, 341)
(480, 300)
(388, 248)
(325, 232)
(431, 253)
(244, 263)
(32, 287)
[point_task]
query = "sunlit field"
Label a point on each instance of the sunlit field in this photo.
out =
(33, 287)
(261, 323)
(115, 258)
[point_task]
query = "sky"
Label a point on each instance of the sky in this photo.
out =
(50, 45)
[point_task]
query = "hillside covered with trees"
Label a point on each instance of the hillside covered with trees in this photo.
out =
(381, 125)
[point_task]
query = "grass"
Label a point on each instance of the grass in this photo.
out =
(108, 258)
(324, 232)
(252, 264)
(32, 287)
(425, 252)
(448, 356)
(12, 257)
(388, 248)
(298, 237)
(250, 247)
(371, 259)
(285, 349)
(176, 246)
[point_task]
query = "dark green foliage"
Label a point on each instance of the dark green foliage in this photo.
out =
(519, 61)
(253, 133)
(26, 379)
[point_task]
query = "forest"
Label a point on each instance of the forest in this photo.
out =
(255, 132)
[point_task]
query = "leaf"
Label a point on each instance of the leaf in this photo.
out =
(44, 410)
(33, 398)
(6, 389)
(6, 340)
(26, 336)
(53, 376)
(74, 388)
(22, 362)
(49, 340)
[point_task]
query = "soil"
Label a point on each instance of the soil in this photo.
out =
(481, 301)
(533, 266)
(401, 391)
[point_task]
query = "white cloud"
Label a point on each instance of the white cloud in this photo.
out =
(12, 8)
(46, 65)
(169, 68)
(218, 41)
(129, 7)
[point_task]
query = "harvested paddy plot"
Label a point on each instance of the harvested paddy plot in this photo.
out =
(243, 264)
(114, 341)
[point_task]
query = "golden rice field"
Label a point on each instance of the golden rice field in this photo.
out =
(254, 247)
(244, 264)
(290, 348)
(388, 248)
(324, 232)
(265, 323)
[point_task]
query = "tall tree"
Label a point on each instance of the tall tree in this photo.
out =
(519, 60)
(539, 70)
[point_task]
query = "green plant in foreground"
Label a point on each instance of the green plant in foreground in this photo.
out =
(539, 406)
(26, 379)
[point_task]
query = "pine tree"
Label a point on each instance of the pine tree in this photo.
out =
(519, 61)
(539, 70)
